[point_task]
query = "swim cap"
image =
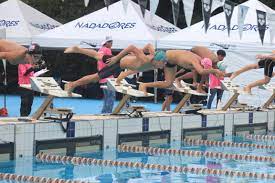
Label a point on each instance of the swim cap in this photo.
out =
(221, 65)
(34, 49)
(206, 63)
(160, 56)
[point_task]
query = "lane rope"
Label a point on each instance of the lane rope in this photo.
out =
(34, 179)
(226, 144)
(170, 168)
(208, 154)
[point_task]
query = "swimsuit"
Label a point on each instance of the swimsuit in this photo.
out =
(107, 71)
(268, 65)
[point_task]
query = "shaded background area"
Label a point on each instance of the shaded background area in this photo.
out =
(73, 66)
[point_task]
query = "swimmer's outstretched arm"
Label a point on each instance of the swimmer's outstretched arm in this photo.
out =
(130, 49)
(198, 68)
(243, 69)
(88, 52)
(169, 74)
(124, 74)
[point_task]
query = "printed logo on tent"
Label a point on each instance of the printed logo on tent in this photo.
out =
(161, 28)
(261, 19)
(111, 25)
(9, 23)
(246, 27)
(206, 12)
(206, 5)
(45, 26)
(228, 10)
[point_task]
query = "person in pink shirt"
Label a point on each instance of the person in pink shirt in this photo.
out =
(109, 96)
(25, 71)
(215, 85)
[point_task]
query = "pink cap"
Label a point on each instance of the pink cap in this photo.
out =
(206, 63)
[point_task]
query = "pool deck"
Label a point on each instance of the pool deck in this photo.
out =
(24, 135)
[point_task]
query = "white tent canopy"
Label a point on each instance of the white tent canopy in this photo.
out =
(125, 28)
(217, 32)
(240, 52)
(22, 22)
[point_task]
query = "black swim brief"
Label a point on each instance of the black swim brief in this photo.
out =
(170, 65)
(268, 65)
(109, 71)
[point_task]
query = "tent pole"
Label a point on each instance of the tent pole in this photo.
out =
(155, 80)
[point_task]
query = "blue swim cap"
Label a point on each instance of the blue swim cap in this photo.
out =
(160, 56)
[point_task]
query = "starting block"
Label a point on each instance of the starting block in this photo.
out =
(48, 86)
(234, 88)
(188, 93)
(271, 88)
(126, 89)
(136, 111)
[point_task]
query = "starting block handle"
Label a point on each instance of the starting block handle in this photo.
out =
(231, 100)
(43, 107)
(269, 101)
(182, 102)
(121, 104)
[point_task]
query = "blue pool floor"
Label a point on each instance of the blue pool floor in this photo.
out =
(79, 106)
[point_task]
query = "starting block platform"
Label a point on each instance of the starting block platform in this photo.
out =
(228, 85)
(188, 93)
(271, 88)
(126, 89)
(48, 86)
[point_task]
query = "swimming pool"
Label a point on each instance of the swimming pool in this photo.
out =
(118, 168)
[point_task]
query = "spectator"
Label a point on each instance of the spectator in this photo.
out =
(109, 96)
(25, 71)
(215, 86)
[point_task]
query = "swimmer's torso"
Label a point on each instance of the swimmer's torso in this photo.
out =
(182, 58)
(132, 63)
(204, 52)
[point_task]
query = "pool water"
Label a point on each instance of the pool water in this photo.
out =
(106, 174)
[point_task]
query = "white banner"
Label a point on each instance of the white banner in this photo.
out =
(175, 10)
(153, 7)
(86, 2)
(125, 5)
(188, 10)
(271, 22)
(242, 12)
(216, 4)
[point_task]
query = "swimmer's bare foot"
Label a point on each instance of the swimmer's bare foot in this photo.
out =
(72, 49)
(247, 90)
(69, 88)
(118, 82)
(201, 91)
(178, 83)
(143, 87)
